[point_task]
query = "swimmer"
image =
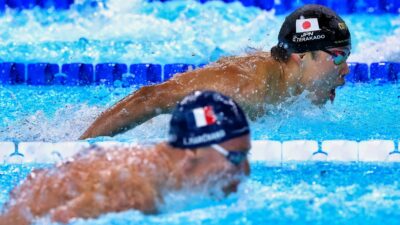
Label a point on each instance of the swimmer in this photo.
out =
(313, 46)
(206, 152)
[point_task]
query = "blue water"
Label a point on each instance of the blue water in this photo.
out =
(55, 113)
(175, 31)
(318, 193)
(180, 31)
(186, 31)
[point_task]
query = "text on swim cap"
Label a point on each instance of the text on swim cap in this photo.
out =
(217, 135)
(309, 36)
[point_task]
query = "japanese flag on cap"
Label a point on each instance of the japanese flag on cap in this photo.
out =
(307, 25)
(204, 116)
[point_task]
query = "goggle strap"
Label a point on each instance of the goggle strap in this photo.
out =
(220, 149)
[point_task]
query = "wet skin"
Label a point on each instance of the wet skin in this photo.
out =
(252, 80)
(321, 76)
(101, 180)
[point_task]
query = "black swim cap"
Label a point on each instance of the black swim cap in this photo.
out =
(204, 118)
(313, 27)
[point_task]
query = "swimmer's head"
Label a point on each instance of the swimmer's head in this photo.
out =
(317, 42)
(214, 131)
(311, 28)
(204, 118)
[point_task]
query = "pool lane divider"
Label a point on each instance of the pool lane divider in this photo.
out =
(386, 72)
(29, 4)
(119, 74)
(268, 151)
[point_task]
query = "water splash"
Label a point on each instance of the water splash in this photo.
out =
(42, 127)
(303, 193)
(174, 31)
(62, 114)
(356, 114)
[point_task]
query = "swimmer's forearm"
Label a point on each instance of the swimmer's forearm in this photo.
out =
(108, 124)
(133, 110)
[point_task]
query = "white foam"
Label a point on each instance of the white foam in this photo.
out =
(67, 124)
(386, 49)
(175, 31)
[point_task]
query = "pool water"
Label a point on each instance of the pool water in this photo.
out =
(300, 193)
(56, 113)
(175, 31)
(188, 32)
(180, 31)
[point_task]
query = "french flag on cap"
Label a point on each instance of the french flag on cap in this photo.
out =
(306, 25)
(204, 116)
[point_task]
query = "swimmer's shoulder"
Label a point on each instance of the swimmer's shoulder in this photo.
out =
(258, 58)
(257, 65)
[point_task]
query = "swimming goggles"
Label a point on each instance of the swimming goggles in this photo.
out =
(338, 56)
(235, 157)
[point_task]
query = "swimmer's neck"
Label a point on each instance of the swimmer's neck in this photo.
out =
(293, 77)
(174, 159)
(173, 155)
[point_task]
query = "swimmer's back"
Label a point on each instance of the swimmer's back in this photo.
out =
(100, 178)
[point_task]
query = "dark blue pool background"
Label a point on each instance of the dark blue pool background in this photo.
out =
(73, 74)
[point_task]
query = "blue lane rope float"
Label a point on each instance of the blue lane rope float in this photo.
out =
(359, 72)
(29, 4)
(144, 74)
(171, 69)
(385, 72)
(41, 73)
(107, 73)
(73, 74)
(76, 74)
(12, 73)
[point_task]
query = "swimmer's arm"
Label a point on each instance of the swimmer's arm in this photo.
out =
(137, 108)
(151, 101)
